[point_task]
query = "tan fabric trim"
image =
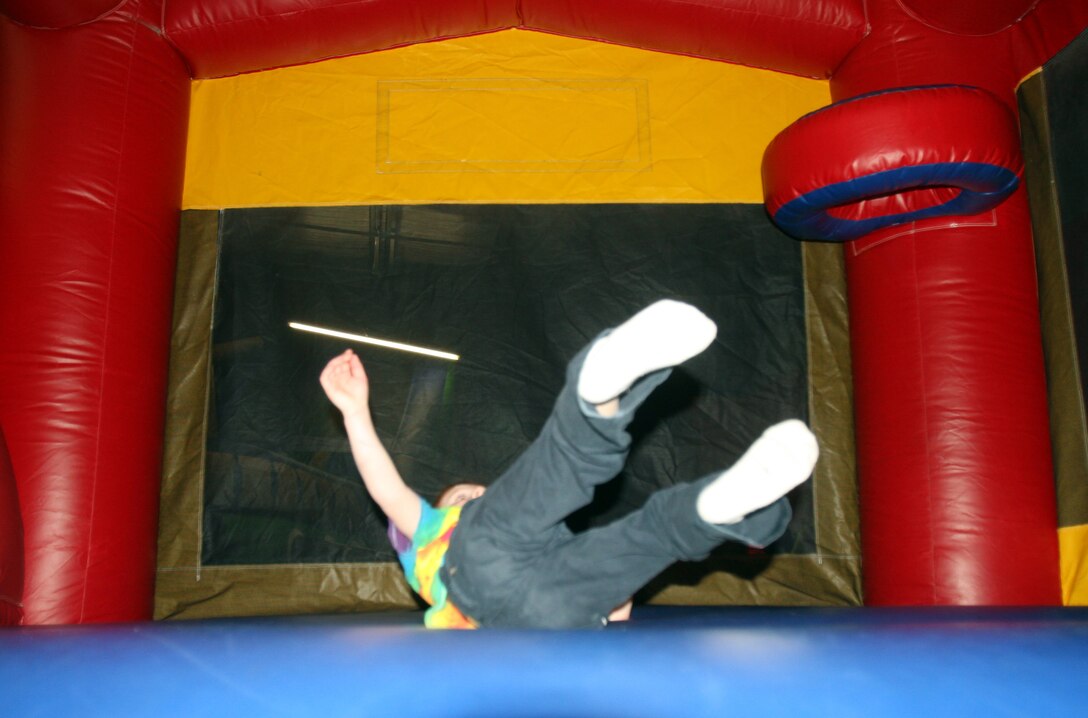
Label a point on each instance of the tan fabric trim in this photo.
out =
(185, 589)
(779, 581)
(277, 590)
(186, 402)
(831, 408)
(1068, 424)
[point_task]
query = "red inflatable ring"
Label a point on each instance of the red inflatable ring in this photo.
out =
(889, 158)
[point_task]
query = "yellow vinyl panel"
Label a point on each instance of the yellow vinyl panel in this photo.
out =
(1073, 543)
(604, 126)
(514, 116)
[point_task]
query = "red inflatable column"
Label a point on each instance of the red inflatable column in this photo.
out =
(953, 439)
(953, 443)
(92, 130)
(956, 481)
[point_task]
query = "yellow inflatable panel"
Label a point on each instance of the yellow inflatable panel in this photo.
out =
(1073, 543)
(514, 117)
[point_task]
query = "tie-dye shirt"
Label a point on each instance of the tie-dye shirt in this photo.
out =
(423, 557)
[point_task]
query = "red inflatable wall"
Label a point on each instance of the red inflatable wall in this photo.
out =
(11, 543)
(951, 408)
(93, 122)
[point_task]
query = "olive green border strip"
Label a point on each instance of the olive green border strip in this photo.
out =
(831, 412)
(1068, 425)
(186, 589)
(278, 590)
(186, 402)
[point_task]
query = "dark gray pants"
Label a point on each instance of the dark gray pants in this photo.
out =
(513, 562)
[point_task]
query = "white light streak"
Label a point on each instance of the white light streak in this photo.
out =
(371, 340)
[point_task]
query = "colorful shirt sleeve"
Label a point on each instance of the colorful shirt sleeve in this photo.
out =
(423, 559)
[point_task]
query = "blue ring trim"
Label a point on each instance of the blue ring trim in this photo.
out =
(983, 187)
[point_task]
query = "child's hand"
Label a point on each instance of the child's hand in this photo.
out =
(345, 383)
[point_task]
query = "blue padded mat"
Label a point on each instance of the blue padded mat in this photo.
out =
(666, 662)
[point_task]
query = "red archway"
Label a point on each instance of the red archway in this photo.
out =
(952, 428)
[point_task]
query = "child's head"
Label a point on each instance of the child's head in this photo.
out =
(459, 494)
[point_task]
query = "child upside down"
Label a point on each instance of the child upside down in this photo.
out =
(502, 555)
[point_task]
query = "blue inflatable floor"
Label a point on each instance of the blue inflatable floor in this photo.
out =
(666, 662)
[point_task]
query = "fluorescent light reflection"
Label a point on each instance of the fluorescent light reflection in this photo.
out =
(371, 340)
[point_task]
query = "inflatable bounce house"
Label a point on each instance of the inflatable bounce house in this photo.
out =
(880, 202)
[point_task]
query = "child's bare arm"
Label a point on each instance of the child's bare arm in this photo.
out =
(345, 383)
(621, 613)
